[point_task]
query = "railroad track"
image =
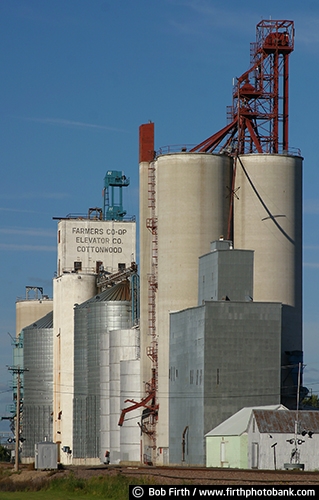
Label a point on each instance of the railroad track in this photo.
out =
(203, 475)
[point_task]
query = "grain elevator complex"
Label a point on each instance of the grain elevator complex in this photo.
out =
(144, 360)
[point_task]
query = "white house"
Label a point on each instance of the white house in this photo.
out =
(283, 439)
(227, 444)
(269, 437)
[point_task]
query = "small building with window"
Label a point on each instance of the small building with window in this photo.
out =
(268, 438)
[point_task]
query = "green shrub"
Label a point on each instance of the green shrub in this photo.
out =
(5, 455)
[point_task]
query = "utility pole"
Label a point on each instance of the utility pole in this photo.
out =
(17, 427)
(17, 370)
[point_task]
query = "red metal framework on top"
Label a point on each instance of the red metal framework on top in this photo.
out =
(259, 113)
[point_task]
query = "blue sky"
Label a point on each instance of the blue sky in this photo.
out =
(78, 77)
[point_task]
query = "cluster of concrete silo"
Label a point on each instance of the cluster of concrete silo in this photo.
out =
(99, 358)
(191, 196)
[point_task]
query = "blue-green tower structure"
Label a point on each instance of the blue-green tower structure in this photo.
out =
(114, 181)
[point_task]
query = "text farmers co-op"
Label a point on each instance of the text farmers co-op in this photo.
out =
(96, 231)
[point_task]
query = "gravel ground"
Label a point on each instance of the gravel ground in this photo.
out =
(179, 475)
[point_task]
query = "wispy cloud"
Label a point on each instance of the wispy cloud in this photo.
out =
(31, 195)
(205, 15)
(27, 248)
(27, 231)
(307, 30)
(60, 122)
(312, 265)
(311, 207)
(17, 210)
(55, 16)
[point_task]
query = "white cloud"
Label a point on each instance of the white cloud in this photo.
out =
(27, 248)
(31, 196)
(60, 122)
(307, 30)
(27, 231)
(208, 15)
(17, 210)
(312, 265)
(311, 207)
(311, 247)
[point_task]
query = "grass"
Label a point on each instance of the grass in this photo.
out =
(68, 488)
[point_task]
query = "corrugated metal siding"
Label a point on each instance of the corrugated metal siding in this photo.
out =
(92, 319)
(282, 421)
(38, 384)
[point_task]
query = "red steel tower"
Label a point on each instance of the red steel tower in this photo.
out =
(258, 117)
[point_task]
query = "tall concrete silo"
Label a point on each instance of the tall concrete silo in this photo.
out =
(190, 198)
(68, 290)
(187, 224)
(268, 219)
(34, 306)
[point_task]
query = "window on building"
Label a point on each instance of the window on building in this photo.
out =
(222, 451)
(254, 455)
(78, 266)
(99, 266)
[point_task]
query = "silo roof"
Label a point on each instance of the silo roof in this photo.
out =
(44, 322)
(119, 292)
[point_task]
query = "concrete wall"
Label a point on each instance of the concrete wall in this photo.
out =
(225, 272)
(191, 210)
(29, 311)
(242, 358)
(68, 290)
(186, 385)
(268, 220)
(227, 356)
(90, 241)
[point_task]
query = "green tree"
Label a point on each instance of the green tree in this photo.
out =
(312, 401)
(5, 454)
